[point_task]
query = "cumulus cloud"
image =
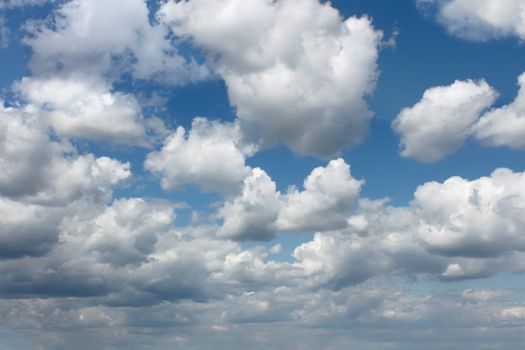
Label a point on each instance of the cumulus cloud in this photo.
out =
(41, 177)
(252, 214)
(481, 20)
(127, 231)
(210, 156)
(128, 258)
(27, 230)
(457, 229)
(441, 121)
(504, 126)
(84, 37)
(476, 218)
(259, 212)
(295, 71)
(84, 108)
(43, 171)
(82, 267)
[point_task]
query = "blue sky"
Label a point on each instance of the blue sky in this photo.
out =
(273, 174)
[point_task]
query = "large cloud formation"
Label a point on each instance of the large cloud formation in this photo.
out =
(295, 71)
(126, 265)
(85, 265)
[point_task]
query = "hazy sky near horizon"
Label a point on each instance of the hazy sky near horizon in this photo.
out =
(272, 174)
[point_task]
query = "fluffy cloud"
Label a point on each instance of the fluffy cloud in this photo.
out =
(42, 171)
(481, 20)
(259, 212)
(329, 195)
(252, 214)
(478, 218)
(441, 121)
(126, 265)
(505, 126)
(40, 179)
(453, 230)
(83, 36)
(127, 231)
(305, 85)
(210, 155)
(79, 107)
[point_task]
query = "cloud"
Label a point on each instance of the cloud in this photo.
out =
(481, 20)
(367, 316)
(259, 212)
(441, 121)
(480, 295)
(5, 32)
(210, 156)
(126, 264)
(27, 230)
(305, 86)
(41, 171)
(476, 218)
(504, 126)
(83, 37)
(22, 3)
(252, 214)
(83, 108)
(41, 178)
(329, 195)
(457, 229)
(127, 231)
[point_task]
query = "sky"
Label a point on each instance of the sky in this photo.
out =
(272, 174)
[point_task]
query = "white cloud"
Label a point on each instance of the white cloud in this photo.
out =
(21, 3)
(441, 121)
(454, 230)
(83, 36)
(41, 171)
(504, 126)
(84, 108)
(210, 156)
(329, 196)
(478, 218)
(259, 212)
(127, 231)
(481, 20)
(252, 214)
(295, 71)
